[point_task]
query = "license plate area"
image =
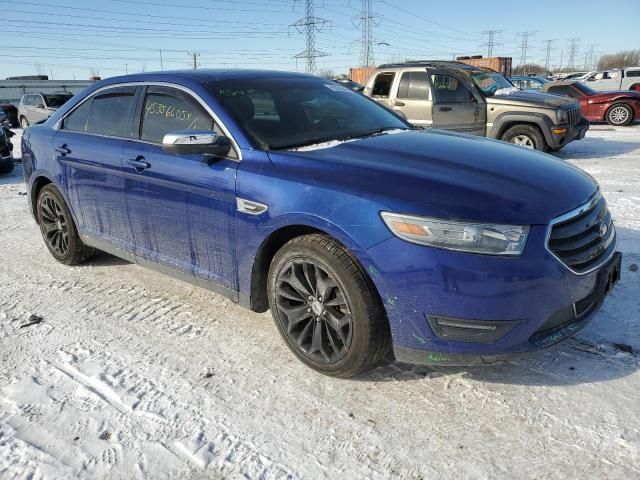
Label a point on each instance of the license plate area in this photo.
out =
(608, 276)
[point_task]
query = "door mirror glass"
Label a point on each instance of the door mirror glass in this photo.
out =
(203, 142)
(40, 105)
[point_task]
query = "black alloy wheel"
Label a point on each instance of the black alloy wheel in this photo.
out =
(314, 311)
(54, 225)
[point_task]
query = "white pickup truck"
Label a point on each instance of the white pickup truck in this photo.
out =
(618, 79)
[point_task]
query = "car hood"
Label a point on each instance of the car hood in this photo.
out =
(445, 175)
(608, 96)
(537, 99)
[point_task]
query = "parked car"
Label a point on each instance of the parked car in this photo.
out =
(528, 83)
(615, 108)
(360, 233)
(6, 147)
(573, 75)
(479, 101)
(11, 112)
(617, 79)
(350, 84)
(36, 107)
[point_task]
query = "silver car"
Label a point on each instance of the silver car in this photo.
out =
(612, 80)
(35, 107)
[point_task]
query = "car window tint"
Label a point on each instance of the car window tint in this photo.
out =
(76, 121)
(168, 110)
(382, 85)
(449, 89)
(403, 87)
(633, 73)
(109, 113)
(419, 86)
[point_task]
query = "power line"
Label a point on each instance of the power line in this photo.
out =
(310, 24)
(491, 42)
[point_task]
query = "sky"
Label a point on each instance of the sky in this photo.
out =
(75, 39)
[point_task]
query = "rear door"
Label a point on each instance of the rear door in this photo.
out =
(455, 106)
(89, 146)
(413, 98)
(182, 208)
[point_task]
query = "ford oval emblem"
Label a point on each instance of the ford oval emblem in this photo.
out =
(603, 229)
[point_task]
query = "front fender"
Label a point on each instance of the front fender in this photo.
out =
(504, 120)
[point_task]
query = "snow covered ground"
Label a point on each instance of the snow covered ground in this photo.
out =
(131, 374)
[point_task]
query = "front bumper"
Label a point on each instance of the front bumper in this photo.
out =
(563, 134)
(534, 294)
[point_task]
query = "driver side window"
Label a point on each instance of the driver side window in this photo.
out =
(449, 89)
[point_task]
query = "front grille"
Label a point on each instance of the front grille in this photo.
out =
(579, 240)
(574, 116)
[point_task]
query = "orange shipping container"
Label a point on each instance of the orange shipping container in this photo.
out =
(361, 74)
(499, 64)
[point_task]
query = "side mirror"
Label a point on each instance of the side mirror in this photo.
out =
(40, 105)
(202, 142)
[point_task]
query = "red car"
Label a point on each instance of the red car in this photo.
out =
(615, 108)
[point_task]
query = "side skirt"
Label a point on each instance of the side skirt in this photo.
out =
(240, 298)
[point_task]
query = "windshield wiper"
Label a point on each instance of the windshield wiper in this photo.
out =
(350, 136)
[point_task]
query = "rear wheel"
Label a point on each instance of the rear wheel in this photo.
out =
(58, 229)
(526, 136)
(24, 123)
(619, 115)
(326, 308)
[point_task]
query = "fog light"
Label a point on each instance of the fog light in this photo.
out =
(476, 331)
(559, 131)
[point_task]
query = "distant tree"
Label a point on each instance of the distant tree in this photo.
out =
(327, 73)
(627, 58)
(528, 68)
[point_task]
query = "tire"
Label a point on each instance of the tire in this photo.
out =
(619, 115)
(58, 230)
(24, 123)
(8, 168)
(526, 136)
(326, 308)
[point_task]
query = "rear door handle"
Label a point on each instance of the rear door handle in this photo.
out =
(399, 103)
(139, 164)
(63, 150)
(445, 109)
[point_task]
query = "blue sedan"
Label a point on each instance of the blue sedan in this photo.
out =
(364, 237)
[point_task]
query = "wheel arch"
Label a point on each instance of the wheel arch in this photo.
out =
(507, 120)
(36, 187)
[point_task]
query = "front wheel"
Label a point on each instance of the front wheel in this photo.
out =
(619, 115)
(326, 308)
(58, 229)
(526, 136)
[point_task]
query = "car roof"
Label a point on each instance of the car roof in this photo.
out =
(437, 64)
(202, 75)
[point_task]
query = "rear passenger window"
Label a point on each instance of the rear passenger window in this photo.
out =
(414, 85)
(168, 110)
(110, 111)
(633, 73)
(449, 89)
(76, 121)
(382, 85)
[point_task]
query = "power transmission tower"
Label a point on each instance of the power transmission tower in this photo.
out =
(589, 57)
(524, 46)
(194, 56)
(571, 54)
(365, 22)
(309, 25)
(491, 42)
(547, 58)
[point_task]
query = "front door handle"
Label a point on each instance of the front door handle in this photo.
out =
(398, 103)
(445, 109)
(139, 164)
(63, 150)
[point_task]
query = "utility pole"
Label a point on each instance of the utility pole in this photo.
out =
(161, 64)
(491, 43)
(547, 58)
(195, 56)
(126, 68)
(524, 46)
(309, 25)
(571, 54)
(365, 22)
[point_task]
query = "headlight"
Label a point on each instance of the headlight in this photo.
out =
(485, 238)
(563, 116)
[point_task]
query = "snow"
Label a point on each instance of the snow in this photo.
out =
(506, 91)
(132, 374)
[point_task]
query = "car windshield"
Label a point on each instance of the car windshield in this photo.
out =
(282, 113)
(56, 100)
(584, 88)
(490, 82)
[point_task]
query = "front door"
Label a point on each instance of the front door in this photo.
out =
(89, 146)
(182, 208)
(414, 98)
(456, 107)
